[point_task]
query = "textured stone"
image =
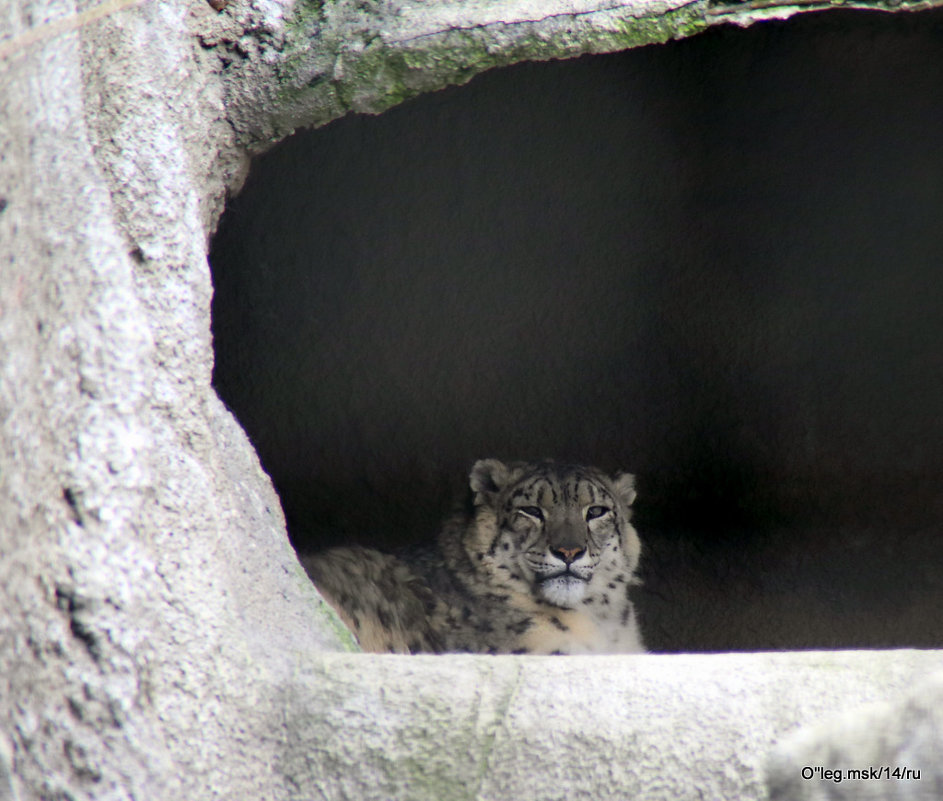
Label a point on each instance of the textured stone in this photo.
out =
(663, 727)
(889, 751)
(158, 638)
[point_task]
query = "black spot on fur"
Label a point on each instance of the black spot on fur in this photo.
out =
(588, 601)
(520, 627)
(506, 546)
(557, 653)
(611, 585)
(621, 578)
(625, 614)
(559, 624)
(604, 600)
(519, 651)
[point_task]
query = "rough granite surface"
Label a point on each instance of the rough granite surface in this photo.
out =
(888, 750)
(158, 638)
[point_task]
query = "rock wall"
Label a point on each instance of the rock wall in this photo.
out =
(137, 639)
(157, 636)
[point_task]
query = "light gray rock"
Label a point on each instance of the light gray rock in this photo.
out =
(137, 643)
(653, 727)
(158, 639)
(889, 751)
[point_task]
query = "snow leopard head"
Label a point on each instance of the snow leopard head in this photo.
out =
(560, 533)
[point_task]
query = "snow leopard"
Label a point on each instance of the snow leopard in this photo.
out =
(540, 561)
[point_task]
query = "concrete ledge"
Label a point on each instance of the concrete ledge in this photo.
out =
(158, 639)
(648, 727)
(887, 751)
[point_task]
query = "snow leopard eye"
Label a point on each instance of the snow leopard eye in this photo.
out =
(596, 511)
(531, 511)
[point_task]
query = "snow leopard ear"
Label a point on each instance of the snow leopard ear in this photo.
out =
(624, 485)
(488, 477)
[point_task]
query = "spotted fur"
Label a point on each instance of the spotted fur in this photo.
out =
(541, 563)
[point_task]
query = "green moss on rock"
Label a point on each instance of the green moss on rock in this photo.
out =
(370, 75)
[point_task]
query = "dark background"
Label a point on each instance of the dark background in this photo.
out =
(715, 263)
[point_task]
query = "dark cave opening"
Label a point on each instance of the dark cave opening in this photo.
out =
(713, 263)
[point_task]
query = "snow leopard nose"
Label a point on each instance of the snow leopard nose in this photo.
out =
(568, 555)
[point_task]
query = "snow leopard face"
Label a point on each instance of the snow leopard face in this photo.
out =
(559, 533)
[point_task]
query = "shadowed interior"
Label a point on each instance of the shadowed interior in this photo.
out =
(713, 263)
